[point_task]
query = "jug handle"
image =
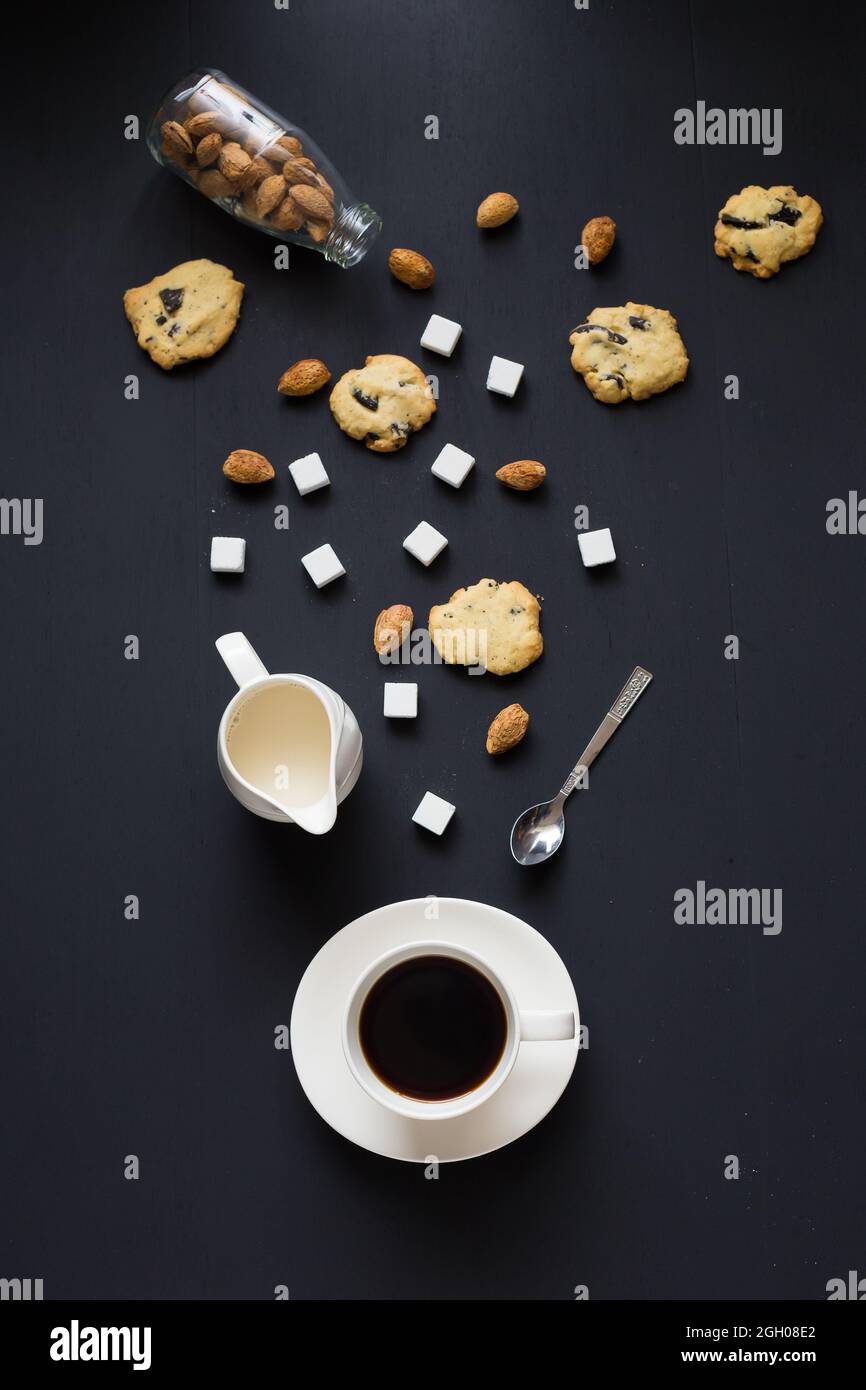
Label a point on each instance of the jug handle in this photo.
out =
(241, 659)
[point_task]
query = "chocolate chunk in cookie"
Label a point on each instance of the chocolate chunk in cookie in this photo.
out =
(761, 228)
(171, 299)
(383, 402)
(630, 351)
(188, 313)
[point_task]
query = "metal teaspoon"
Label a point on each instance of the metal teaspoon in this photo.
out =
(540, 830)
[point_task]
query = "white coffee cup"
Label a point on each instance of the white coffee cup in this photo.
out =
(520, 1027)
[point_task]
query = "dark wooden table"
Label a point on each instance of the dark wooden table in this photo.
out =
(156, 1037)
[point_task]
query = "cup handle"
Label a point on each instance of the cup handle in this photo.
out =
(546, 1026)
(240, 658)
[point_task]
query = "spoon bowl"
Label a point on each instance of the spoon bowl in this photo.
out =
(538, 832)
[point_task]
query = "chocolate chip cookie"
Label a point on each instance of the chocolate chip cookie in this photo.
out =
(489, 625)
(633, 350)
(189, 312)
(760, 228)
(383, 402)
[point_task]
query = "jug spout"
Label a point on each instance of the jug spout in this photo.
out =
(318, 818)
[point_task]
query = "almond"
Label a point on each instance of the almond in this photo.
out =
(291, 143)
(280, 153)
(392, 627)
(213, 184)
(208, 149)
(523, 475)
(411, 268)
(205, 123)
(312, 201)
(325, 187)
(496, 209)
(176, 139)
(288, 216)
(277, 154)
(597, 238)
(507, 729)
(269, 193)
(233, 162)
(181, 161)
(250, 177)
(262, 169)
(249, 203)
(303, 378)
(317, 230)
(295, 172)
(246, 466)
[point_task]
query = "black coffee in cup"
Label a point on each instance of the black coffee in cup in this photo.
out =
(433, 1028)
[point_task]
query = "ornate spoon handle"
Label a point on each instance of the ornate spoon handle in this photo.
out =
(625, 701)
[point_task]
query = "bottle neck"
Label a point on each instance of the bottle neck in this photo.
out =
(352, 235)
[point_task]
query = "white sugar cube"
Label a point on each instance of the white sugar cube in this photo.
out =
(503, 376)
(441, 335)
(433, 813)
(227, 554)
(425, 542)
(401, 700)
(309, 474)
(322, 565)
(453, 465)
(596, 547)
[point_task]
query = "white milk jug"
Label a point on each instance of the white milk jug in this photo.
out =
(288, 747)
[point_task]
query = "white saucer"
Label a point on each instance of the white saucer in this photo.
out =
(526, 961)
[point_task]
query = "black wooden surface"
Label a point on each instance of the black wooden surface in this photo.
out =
(155, 1038)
